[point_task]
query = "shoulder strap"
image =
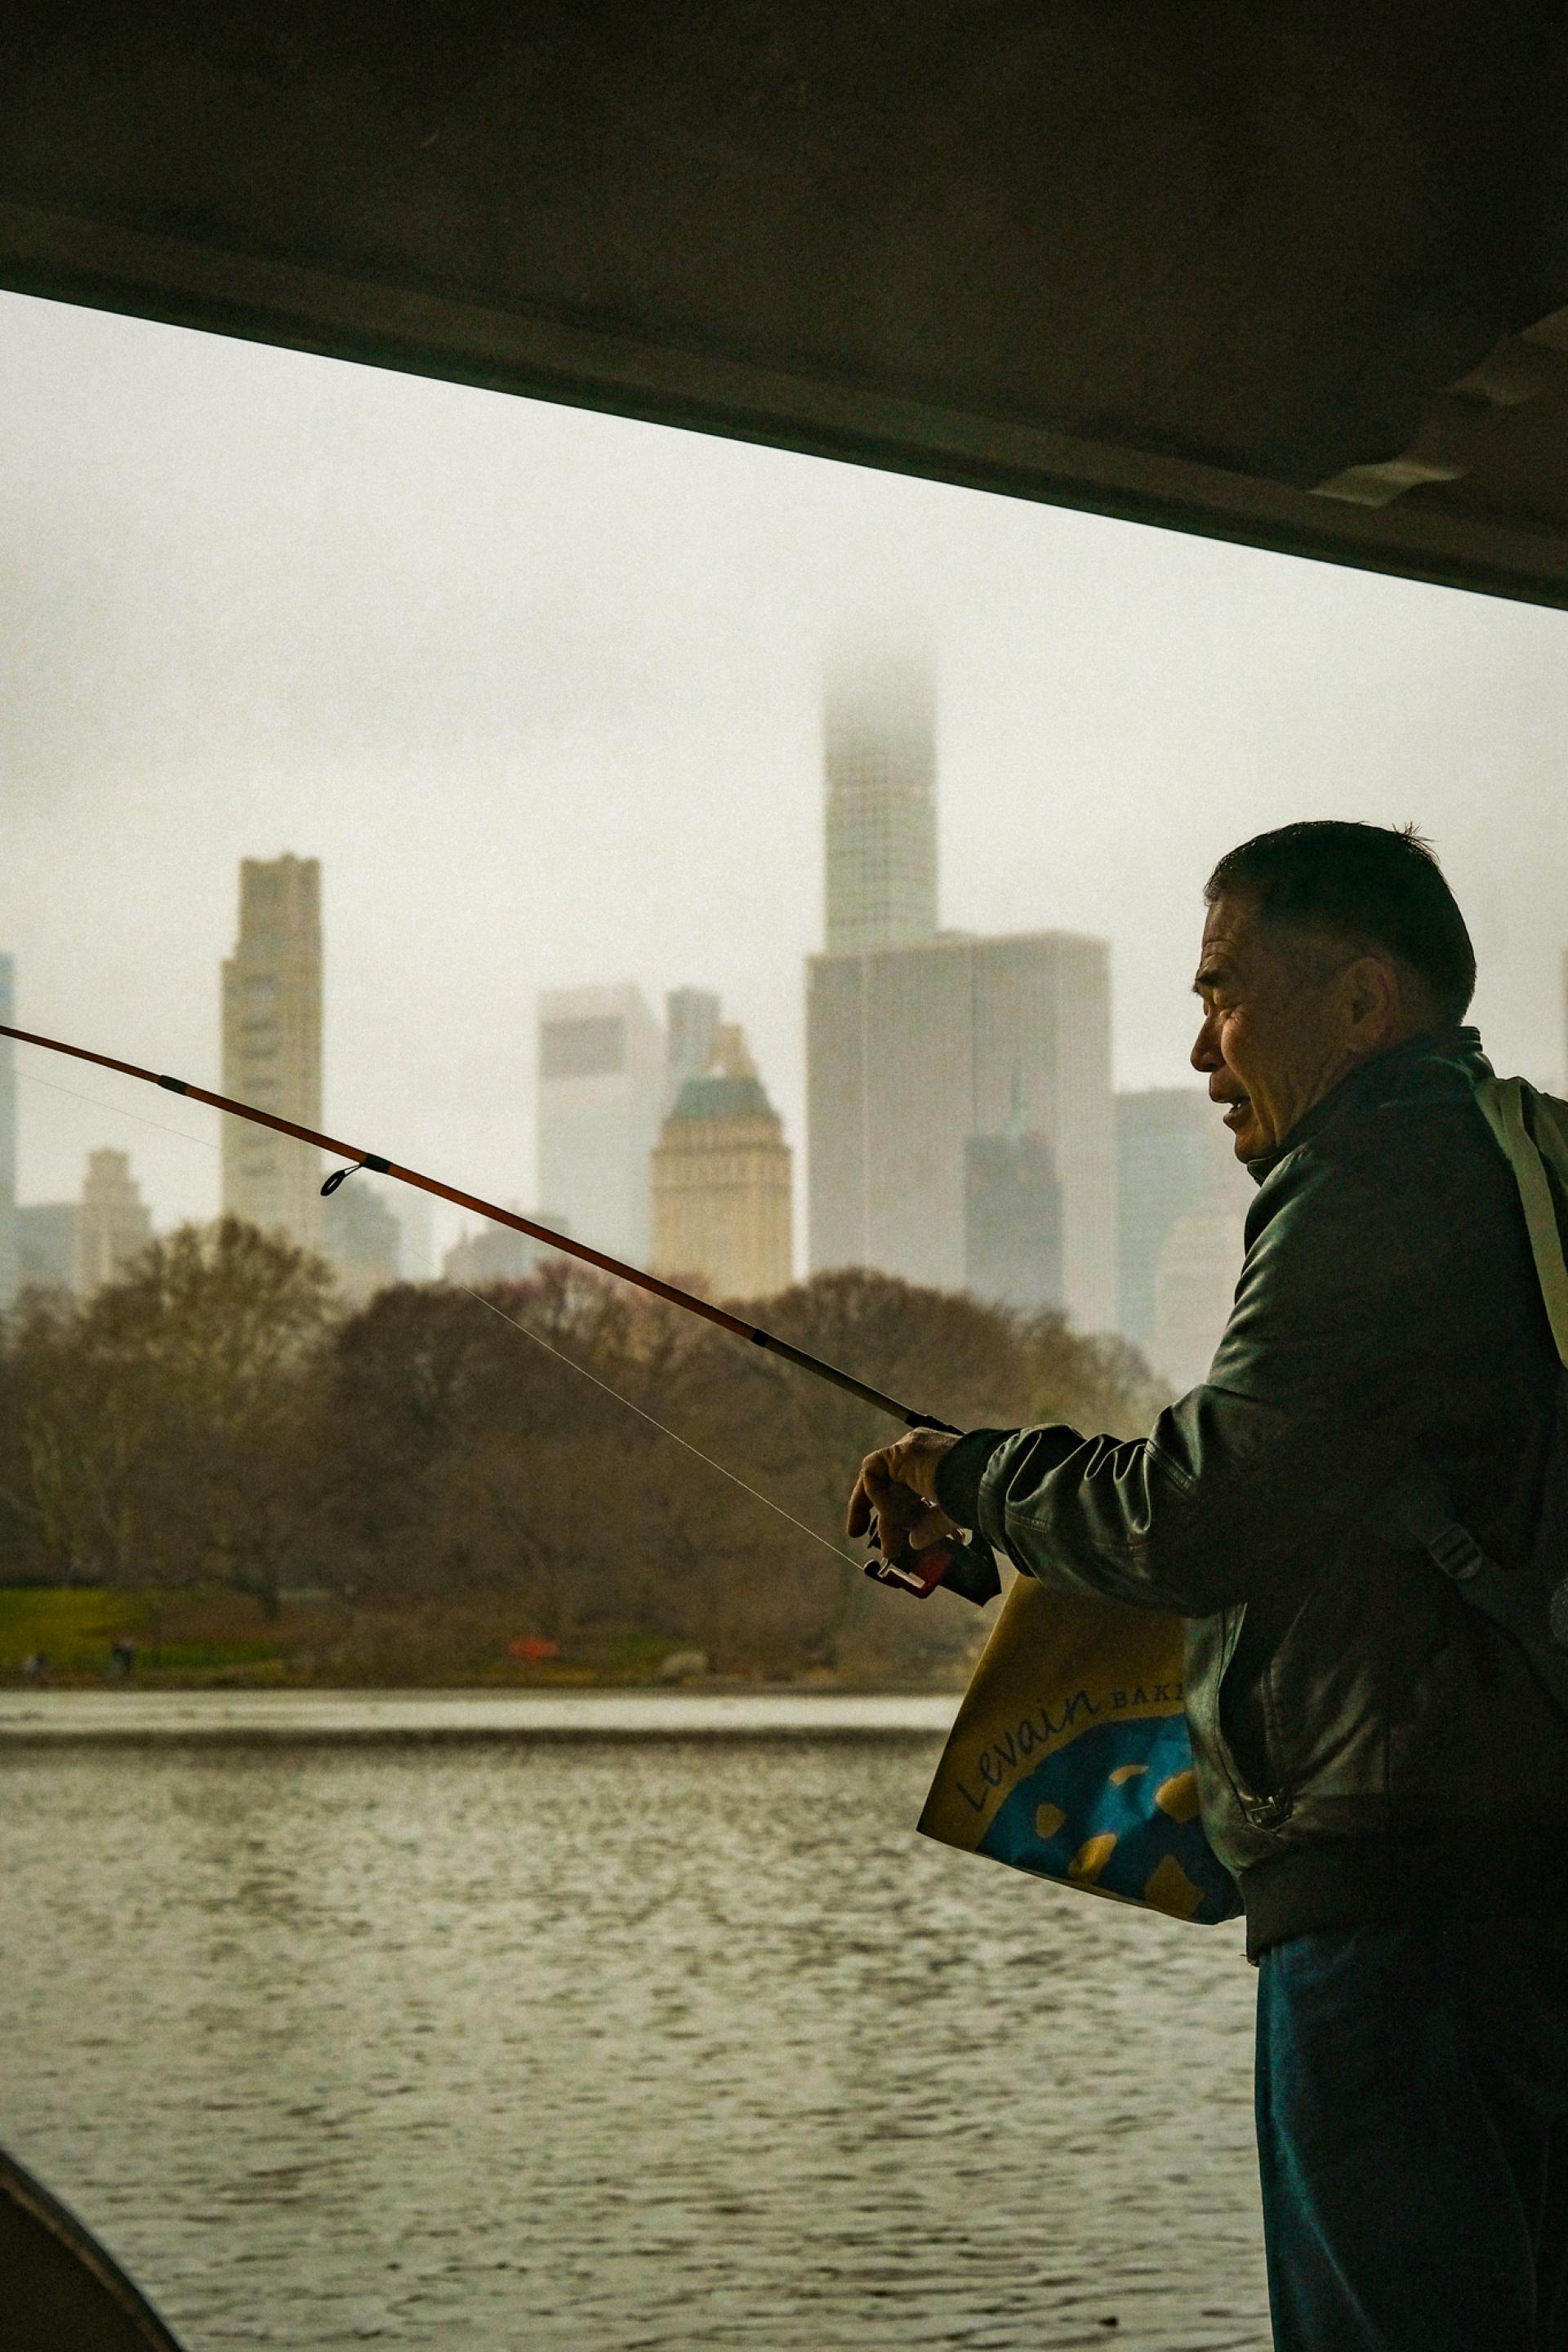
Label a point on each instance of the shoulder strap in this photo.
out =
(1417, 1507)
(1532, 1130)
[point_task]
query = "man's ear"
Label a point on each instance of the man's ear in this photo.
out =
(1372, 1002)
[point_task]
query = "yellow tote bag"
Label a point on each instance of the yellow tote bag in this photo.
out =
(1071, 1757)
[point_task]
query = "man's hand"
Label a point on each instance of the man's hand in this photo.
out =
(894, 1500)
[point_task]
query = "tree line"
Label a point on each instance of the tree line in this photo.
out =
(216, 1419)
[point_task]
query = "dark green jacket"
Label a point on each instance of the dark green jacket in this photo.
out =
(1368, 1746)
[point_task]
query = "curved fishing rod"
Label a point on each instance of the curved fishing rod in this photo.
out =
(934, 1564)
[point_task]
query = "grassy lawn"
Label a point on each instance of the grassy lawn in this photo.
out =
(222, 1638)
(74, 1627)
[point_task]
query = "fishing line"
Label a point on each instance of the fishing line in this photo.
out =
(755, 1492)
(964, 1566)
(116, 1110)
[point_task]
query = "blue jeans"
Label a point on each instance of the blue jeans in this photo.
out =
(1411, 2092)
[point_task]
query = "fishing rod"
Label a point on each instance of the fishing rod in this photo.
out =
(967, 1568)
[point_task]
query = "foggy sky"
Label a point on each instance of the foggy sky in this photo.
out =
(542, 690)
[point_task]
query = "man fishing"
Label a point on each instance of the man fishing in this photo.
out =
(1378, 1767)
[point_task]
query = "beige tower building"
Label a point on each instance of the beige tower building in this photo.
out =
(721, 1210)
(112, 1221)
(272, 1047)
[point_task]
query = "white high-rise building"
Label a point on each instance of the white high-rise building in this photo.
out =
(879, 754)
(600, 1091)
(9, 1262)
(272, 1047)
(112, 1221)
(910, 1052)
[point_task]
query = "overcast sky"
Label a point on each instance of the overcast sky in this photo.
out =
(542, 690)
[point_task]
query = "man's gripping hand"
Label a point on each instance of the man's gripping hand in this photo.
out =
(894, 1501)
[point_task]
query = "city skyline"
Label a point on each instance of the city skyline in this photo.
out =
(541, 689)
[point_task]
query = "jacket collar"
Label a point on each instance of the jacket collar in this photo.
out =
(1456, 1051)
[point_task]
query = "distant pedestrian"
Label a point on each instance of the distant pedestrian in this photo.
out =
(122, 1656)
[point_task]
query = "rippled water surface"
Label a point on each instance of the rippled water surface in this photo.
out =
(612, 2044)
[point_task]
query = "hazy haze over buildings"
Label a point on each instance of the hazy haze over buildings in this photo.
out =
(720, 1172)
(544, 690)
(272, 1047)
(601, 1086)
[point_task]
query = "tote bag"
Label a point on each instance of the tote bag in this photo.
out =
(1071, 1757)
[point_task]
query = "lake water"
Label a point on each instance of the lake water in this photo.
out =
(606, 2040)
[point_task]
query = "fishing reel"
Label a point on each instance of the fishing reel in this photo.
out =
(962, 1563)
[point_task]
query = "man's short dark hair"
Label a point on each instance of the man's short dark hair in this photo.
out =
(1370, 884)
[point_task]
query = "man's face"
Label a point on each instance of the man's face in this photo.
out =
(1281, 1025)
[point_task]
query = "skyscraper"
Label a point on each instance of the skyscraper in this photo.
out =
(912, 1051)
(272, 1047)
(880, 753)
(9, 1264)
(721, 1200)
(112, 1221)
(601, 1088)
(1174, 1161)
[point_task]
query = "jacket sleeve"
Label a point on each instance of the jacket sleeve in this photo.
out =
(1348, 1311)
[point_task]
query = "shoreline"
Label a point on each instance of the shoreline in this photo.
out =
(457, 1717)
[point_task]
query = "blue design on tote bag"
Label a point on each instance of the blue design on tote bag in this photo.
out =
(1116, 1810)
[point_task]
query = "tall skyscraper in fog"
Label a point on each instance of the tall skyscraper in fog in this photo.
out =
(9, 1268)
(601, 1090)
(914, 1051)
(272, 1047)
(880, 753)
